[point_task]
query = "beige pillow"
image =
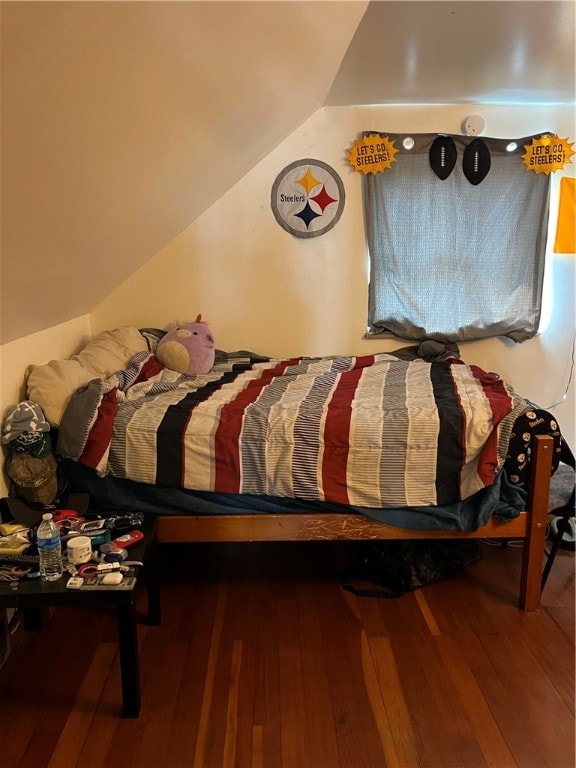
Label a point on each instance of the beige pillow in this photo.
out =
(51, 385)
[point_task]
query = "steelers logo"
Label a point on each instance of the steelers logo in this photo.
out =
(307, 198)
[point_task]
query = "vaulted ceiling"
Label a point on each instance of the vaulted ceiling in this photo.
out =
(112, 110)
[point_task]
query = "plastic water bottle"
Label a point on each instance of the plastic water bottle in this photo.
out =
(49, 548)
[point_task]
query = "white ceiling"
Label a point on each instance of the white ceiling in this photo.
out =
(110, 109)
(459, 53)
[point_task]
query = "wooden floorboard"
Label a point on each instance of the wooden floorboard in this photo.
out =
(263, 661)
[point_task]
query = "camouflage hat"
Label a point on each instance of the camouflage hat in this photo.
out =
(35, 479)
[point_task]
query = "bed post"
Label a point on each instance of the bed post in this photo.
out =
(533, 550)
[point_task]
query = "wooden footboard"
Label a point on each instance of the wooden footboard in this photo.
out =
(314, 526)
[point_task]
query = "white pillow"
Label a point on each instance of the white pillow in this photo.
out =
(51, 385)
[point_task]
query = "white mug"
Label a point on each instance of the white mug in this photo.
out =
(79, 550)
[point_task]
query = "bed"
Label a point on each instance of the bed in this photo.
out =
(385, 446)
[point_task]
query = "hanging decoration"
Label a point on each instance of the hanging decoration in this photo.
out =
(476, 161)
(372, 154)
(307, 198)
(443, 156)
(547, 154)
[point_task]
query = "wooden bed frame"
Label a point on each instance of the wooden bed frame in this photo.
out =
(530, 526)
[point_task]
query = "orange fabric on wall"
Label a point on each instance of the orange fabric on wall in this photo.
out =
(566, 229)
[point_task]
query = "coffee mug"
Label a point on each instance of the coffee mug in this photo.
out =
(79, 550)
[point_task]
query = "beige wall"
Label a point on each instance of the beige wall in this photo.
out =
(264, 290)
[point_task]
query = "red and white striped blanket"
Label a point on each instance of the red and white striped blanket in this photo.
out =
(371, 431)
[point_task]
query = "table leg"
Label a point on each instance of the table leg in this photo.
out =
(32, 618)
(129, 662)
(153, 603)
(151, 579)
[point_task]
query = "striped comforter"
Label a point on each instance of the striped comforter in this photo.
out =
(372, 431)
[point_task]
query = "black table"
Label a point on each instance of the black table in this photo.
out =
(34, 594)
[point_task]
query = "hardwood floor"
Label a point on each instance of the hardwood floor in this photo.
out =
(263, 660)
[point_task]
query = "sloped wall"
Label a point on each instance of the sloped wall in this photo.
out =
(122, 122)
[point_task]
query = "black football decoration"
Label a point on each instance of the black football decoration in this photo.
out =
(443, 156)
(476, 161)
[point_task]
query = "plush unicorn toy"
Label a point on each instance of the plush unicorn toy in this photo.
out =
(187, 348)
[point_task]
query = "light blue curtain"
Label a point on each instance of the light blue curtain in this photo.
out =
(454, 260)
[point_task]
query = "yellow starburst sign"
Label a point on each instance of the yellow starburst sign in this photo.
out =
(372, 154)
(547, 154)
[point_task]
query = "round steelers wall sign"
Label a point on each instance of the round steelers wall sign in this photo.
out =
(307, 198)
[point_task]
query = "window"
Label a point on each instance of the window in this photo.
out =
(455, 259)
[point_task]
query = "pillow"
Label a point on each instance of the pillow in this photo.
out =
(52, 385)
